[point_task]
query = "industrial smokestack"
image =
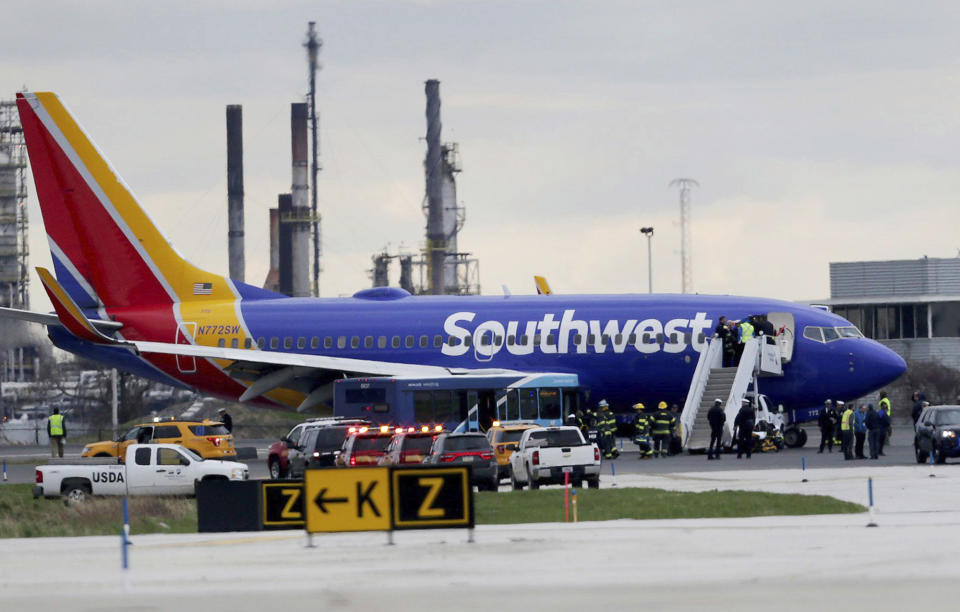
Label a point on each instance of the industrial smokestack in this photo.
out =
(284, 243)
(433, 166)
(273, 276)
(300, 193)
(406, 273)
(235, 190)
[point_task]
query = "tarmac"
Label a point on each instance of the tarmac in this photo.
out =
(791, 563)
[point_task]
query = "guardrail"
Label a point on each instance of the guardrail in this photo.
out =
(711, 358)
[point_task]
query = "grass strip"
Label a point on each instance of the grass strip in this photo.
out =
(21, 516)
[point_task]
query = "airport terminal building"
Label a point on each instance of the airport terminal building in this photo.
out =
(911, 306)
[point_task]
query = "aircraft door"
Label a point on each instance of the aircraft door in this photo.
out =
(784, 324)
(186, 364)
(484, 345)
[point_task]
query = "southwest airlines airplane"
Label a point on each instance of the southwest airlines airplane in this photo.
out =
(123, 296)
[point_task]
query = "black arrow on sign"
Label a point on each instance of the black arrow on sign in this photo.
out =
(320, 500)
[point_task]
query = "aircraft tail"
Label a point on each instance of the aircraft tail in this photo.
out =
(106, 250)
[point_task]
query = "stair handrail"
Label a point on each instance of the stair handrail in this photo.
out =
(746, 374)
(711, 357)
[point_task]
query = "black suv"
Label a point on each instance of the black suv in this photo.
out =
(938, 432)
(471, 449)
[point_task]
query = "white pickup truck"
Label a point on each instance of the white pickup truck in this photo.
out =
(150, 469)
(544, 455)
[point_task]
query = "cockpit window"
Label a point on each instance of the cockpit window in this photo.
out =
(813, 333)
(829, 334)
(849, 332)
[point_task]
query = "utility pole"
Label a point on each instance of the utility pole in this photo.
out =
(648, 232)
(686, 242)
(313, 45)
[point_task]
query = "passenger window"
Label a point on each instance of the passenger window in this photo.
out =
(424, 341)
(294, 436)
(328, 342)
(591, 339)
(395, 342)
(221, 342)
(235, 343)
(166, 432)
(813, 333)
(437, 341)
(409, 342)
(382, 342)
(511, 340)
(288, 342)
(633, 339)
(341, 342)
(484, 340)
(659, 338)
(301, 342)
(452, 341)
(618, 339)
(315, 342)
(142, 456)
(247, 343)
(262, 343)
(551, 340)
(524, 339)
(274, 343)
(368, 342)
(577, 339)
(355, 342)
(468, 341)
(604, 339)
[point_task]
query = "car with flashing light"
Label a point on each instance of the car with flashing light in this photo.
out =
(470, 449)
(291, 447)
(554, 455)
(148, 469)
(209, 439)
(504, 438)
(938, 433)
(364, 446)
(410, 445)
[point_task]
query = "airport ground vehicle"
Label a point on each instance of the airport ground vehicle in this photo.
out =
(544, 455)
(209, 439)
(468, 402)
(471, 449)
(938, 432)
(364, 446)
(504, 438)
(409, 446)
(149, 469)
(290, 447)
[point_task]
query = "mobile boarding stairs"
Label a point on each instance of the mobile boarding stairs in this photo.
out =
(761, 358)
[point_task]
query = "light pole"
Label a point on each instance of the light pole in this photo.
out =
(648, 232)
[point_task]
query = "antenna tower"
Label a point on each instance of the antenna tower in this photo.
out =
(686, 242)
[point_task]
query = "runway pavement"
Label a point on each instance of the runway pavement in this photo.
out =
(782, 563)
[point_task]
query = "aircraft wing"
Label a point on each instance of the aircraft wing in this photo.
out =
(263, 370)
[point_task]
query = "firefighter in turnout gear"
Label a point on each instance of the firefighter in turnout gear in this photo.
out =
(663, 425)
(607, 426)
(641, 433)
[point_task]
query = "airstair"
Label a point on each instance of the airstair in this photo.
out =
(711, 381)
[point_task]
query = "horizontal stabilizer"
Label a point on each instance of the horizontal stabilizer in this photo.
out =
(69, 314)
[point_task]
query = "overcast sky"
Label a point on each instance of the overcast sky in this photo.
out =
(819, 131)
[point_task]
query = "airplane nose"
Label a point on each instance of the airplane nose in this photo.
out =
(884, 365)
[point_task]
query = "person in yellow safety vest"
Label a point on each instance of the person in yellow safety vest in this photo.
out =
(57, 432)
(607, 426)
(663, 424)
(744, 333)
(641, 433)
(846, 432)
(885, 404)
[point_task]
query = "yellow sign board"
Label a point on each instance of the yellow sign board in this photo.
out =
(355, 499)
(431, 497)
(282, 504)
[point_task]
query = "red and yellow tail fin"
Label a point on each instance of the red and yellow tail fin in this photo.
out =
(106, 250)
(70, 315)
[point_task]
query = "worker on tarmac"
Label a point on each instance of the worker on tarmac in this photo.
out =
(641, 433)
(663, 424)
(716, 417)
(607, 426)
(846, 431)
(743, 428)
(884, 404)
(746, 334)
(826, 424)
